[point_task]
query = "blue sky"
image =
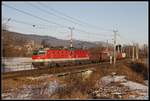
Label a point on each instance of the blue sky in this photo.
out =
(129, 18)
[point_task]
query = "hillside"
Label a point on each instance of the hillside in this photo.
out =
(16, 44)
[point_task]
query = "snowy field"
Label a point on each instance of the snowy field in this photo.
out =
(16, 64)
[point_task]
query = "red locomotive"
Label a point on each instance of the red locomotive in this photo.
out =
(63, 57)
(60, 57)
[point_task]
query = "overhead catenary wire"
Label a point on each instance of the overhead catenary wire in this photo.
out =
(80, 30)
(72, 18)
(37, 26)
(27, 13)
(121, 40)
(35, 16)
(50, 13)
(20, 29)
(43, 19)
(46, 27)
(22, 22)
(126, 41)
(58, 12)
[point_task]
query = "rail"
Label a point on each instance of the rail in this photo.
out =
(54, 70)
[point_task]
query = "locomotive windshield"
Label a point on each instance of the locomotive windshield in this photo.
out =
(41, 52)
(37, 52)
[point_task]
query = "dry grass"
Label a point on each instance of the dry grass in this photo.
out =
(79, 88)
(130, 74)
(137, 72)
(20, 81)
(12, 84)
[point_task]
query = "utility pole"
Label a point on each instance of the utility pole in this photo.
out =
(133, 52)
(121, 49)
(115, 33)
(137, 51)
(107, 45)
(129, 51)
(71, 41)
(118, 48)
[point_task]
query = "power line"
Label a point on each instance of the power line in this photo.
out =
(36, 26)
(50, 13)
(81, 22)
(20, 28)
(33, 15)
(23, 22)
(39, 17)
(91, 32)
(129, 42)
(27, 23)
(122, 41)
(33, 25)
(60, 12)
(91, 39)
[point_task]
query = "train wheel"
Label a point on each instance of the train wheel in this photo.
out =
(49, 64)
(57, 65)
(46, 64)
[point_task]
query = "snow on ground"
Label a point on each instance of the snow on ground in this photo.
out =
(108, 87)
(16, 64)
(108, 79)
(118, 87)
(41, 90)
(135, 86)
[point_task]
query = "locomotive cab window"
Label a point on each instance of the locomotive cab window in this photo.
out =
(35, 52)
(41, 52)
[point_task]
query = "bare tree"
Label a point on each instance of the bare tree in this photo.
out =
(5, 25)
(44, 43)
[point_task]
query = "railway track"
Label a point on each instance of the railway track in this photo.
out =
(54, 70)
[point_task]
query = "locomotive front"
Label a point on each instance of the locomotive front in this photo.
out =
(59, 57)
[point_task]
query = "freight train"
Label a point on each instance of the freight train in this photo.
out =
(69, 57)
